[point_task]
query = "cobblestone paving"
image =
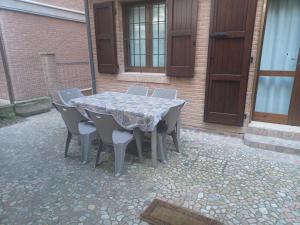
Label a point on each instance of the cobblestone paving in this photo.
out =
(216, 176)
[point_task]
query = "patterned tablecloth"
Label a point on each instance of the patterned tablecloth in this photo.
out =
(129, 110)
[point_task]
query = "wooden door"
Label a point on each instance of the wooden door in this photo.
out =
(231, 31)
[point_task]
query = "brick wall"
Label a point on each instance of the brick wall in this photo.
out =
(3, 88)
(25, 36)
(190, 89)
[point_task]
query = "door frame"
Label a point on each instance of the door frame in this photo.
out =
(260, 116)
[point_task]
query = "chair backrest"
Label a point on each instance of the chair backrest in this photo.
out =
(105, 125)
(138, 90)
(71, 117)
(171, 117)
(66, 95)
(165, 93)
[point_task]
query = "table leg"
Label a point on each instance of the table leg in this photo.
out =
(154, 147)
(139, 143)
(178, 127)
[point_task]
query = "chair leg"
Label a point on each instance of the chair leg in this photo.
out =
(120, 150)
(85, 141)
(175, 140)
(98, 153)
(138, 139)
(68, 143)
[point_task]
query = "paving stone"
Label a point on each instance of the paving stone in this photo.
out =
(217, 176)
(91, 207)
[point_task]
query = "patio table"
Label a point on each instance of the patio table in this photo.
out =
(131, 111)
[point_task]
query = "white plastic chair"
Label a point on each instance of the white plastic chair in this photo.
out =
(77, 125)
(165, 93)
(113, 134)
(138, 90)
(168, 127)
(66, 95)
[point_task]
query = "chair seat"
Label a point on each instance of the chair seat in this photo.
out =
(86, 128)
(120, 137)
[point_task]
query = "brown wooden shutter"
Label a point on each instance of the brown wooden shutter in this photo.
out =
(231, 31)
(105, 37)
(182, 31)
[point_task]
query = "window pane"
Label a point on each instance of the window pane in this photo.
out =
(137, 60)
(161, 46)
(161, 61)
(136, 15)
(143, 60)
(155, 30)
(162, 12)
(155, 60)
(155, 46)
(142, 14)
(136, 31)
(155, 13)
(143, 30)
(136, 47)
(143, 47)
(161, 30)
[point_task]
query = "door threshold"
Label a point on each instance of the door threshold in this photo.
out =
(274, 126)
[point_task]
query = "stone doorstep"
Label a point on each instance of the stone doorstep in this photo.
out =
(272, 143)
(33, 106)
(274, 130)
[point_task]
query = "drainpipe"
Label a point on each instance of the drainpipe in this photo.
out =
(91, 56)
(6, 70)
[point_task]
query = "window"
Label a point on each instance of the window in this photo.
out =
(145, 36)
(146, 47)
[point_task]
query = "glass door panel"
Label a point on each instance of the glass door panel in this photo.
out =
(274, 94)
(278, 64)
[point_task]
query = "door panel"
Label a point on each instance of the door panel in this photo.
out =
(231, 31)
(221, 63)
(231, 15)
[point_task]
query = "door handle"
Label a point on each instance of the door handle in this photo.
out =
(219, 35)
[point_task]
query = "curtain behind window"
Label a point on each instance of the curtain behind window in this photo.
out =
(282, 36)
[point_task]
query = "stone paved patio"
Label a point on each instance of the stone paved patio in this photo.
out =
(216, 176)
